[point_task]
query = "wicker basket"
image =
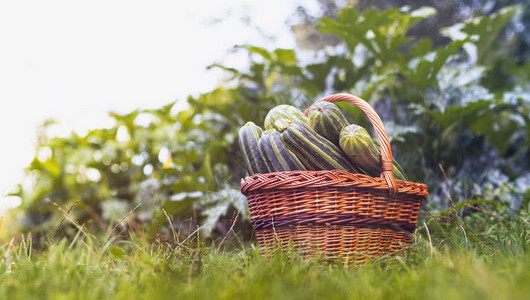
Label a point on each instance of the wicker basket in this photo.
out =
(336, 214)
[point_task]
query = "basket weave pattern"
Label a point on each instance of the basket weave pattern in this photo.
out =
(334, 213)
(356, 244)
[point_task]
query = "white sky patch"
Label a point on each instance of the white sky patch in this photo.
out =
(74, 61)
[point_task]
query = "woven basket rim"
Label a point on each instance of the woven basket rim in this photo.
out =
(327, 178)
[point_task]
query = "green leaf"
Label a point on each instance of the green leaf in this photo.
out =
(442, 56)
(487, 28)
(422, 47)
(285, 56)
(233, 71)
(116, 252)
(258, 50)
(467, 114)
(425, 72)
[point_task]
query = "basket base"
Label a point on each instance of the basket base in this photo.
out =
(353, 244)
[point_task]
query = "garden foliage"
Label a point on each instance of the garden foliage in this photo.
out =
(457, 115)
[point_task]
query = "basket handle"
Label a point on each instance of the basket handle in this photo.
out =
(382, 137)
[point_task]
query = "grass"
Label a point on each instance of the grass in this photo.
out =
(473, 258)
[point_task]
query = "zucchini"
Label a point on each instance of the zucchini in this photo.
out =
(255, 160)
(283, 112)
(360, 148)
(313, 150)
(327, 120)
(280, 158)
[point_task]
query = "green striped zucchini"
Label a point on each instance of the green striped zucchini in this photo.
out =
(313, 150)
(283, 112)
(327, 120)
(280, 158)
(360, 148)
(255, 160)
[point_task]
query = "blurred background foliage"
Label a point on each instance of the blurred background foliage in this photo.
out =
(450, 79)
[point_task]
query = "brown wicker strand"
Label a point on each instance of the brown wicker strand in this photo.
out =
(294, 179)
(352, 243)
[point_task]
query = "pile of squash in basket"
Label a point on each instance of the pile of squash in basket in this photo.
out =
(323, 140)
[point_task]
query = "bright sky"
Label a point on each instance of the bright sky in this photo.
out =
(76, 60)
